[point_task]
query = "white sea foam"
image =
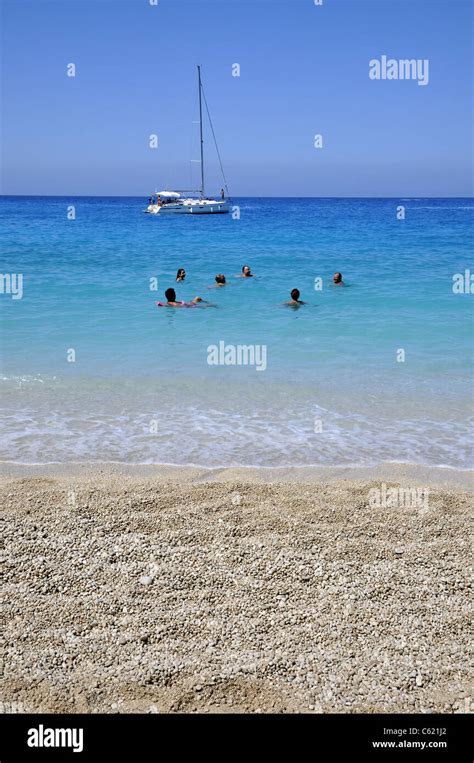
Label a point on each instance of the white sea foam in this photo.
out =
(105, 422)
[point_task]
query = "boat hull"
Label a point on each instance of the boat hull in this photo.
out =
(190, 207)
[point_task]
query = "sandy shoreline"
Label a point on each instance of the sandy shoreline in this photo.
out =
(165, 589)
(403, 474)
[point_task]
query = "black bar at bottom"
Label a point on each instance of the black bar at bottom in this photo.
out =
(143, 737)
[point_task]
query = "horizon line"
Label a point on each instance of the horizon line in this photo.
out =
(238, 196)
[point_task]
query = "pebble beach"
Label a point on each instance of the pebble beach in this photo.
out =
(172, 590)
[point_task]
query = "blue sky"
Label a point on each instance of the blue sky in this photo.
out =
(304, 71)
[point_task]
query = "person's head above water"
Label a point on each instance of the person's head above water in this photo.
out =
(170, 295)
(337, 278)
(220, 278)
(246, 271)
(181, 274)
(295, 300)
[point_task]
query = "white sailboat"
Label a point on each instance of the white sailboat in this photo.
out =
(177, 202)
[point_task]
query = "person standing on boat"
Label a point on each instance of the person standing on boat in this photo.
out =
(222, 194)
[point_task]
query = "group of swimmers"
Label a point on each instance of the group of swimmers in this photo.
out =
(220, 281)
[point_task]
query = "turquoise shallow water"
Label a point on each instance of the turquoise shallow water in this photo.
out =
(141, 389)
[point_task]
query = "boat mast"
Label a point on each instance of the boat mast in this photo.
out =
(200, 131)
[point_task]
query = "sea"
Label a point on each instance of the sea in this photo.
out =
(378, 370)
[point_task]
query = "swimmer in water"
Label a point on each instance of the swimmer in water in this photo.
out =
(246, 273)
(337, 279)
(170, 295)
(220, 281)
(295, 300)
(181, 274)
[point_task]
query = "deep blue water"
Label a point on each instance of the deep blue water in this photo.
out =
(141, 389)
